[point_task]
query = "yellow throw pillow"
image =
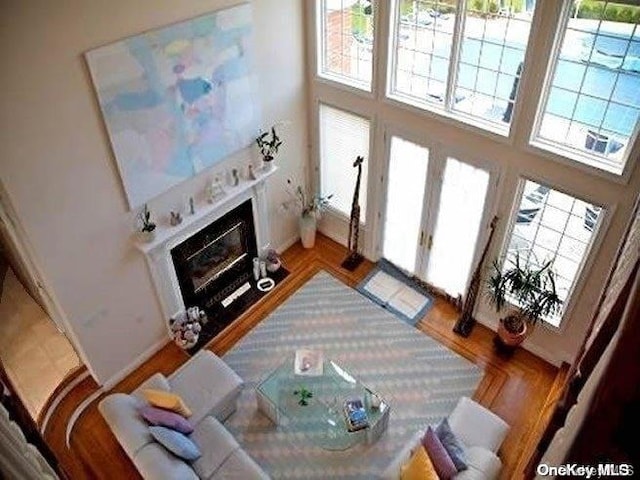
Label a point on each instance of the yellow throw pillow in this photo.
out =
(168, 400)
(419, 467)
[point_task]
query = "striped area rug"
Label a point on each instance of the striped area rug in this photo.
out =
(421, 379)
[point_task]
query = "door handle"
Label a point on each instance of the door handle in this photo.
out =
(429, 240)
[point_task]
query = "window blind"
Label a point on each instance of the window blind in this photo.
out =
(343, 136)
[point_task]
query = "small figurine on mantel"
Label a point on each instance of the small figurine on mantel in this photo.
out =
(175, 218)
(252, 174)
(214, 189)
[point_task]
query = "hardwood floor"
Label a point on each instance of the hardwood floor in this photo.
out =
(520, 389)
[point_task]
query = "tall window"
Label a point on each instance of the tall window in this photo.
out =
(345, 34)
(424, 37)
(468, 66)
(552, 225)
(343, 137)
(591, 107)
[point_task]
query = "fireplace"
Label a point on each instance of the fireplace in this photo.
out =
(205, 259)
(215, 265)
(216, 260)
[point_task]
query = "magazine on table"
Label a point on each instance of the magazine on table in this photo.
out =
(355, 415)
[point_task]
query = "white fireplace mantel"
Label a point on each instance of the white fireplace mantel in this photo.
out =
(158, 251)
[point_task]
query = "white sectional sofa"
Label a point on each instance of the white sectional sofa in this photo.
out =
(210, 389)
(479, 430)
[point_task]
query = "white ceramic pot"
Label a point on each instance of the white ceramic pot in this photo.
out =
(273, 266)
(267, 165)
(147, 237)
(308, 230)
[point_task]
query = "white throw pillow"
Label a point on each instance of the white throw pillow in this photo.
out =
(476, 426)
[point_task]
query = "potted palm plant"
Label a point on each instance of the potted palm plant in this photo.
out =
(530, 293)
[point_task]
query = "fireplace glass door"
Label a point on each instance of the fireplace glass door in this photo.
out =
(222, 253)
(217, 259)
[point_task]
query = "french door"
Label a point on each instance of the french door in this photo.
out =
(405, 200)
(434, 209)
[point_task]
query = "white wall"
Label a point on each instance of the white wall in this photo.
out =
(59, 172)
(512, 157)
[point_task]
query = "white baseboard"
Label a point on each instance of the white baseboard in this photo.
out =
(334, 229)
(287, 243)
(543, 353)
(329, 229)
(554, 358)
(143, 357)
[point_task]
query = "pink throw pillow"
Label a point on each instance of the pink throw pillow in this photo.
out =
(442, 462)
(166, 418)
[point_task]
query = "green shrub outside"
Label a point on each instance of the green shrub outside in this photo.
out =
(490, 8)
(406, 7)
(361, 21)
(589, 9)
(615, 12)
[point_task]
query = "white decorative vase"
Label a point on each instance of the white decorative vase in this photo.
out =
(308, 230)
(147, 237)
(267, 165)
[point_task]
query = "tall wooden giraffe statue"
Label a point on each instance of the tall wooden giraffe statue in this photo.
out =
(354, 258)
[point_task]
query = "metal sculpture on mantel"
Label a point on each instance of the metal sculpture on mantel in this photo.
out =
(354, 258)
(465, 323)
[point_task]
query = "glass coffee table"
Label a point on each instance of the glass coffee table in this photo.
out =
(322, 421)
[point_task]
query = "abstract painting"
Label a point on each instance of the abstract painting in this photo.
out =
(177, 99)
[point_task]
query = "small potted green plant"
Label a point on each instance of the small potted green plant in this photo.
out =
(304, 395)
(269, 143)
(147, 227)
(273, 262)
(530, 293)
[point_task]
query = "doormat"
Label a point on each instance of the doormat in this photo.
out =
(392, 289)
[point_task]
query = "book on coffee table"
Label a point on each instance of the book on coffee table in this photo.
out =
(355, 415)
(308, 362)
